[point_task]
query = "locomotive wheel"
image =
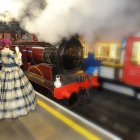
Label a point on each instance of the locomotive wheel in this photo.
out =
(71, 102)
(85, 96)
(88, 95)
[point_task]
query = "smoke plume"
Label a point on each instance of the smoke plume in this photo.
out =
(94, 20)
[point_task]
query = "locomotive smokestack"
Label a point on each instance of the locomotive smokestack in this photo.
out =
(53, 20)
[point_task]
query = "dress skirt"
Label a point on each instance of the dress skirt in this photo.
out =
(17, 96)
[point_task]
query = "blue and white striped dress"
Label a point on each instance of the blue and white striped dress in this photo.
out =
(17, 96)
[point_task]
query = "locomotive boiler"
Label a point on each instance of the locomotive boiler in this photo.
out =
(58, 68)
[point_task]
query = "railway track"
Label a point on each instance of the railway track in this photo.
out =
(118, 114)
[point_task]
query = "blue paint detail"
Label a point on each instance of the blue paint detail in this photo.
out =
(123, 43)
(91, 64)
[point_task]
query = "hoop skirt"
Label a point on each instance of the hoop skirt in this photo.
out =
(17, 96)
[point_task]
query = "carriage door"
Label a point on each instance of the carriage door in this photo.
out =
(132, 62)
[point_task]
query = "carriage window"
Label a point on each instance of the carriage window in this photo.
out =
(101, 52)
(107, 52)
(135, 56)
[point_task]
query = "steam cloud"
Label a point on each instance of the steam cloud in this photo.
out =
(95, 20)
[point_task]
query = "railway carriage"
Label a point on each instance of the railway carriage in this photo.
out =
(120, 66)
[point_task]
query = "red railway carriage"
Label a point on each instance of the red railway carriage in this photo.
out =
(120, 69)
(132, 62)
(58, 68)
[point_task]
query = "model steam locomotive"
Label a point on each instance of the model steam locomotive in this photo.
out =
(58, 68)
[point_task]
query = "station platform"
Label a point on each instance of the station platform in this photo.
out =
(51, 121)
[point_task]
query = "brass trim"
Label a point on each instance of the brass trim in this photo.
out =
(112, 64)
(36, 68)
(40, 80)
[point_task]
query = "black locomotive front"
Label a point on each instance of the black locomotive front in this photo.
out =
(66, 56)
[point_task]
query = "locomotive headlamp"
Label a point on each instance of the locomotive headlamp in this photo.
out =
(57, 82)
